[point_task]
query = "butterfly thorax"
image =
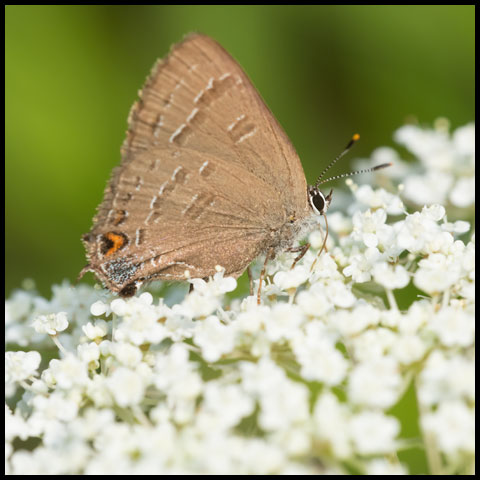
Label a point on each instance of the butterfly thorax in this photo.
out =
(300, 224)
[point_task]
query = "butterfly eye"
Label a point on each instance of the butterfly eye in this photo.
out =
(317, 201)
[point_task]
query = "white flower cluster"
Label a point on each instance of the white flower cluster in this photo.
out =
(445, 169)
(305, 383)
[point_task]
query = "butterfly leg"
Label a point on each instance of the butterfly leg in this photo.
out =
(302, 249)
(324, 244)
(250, 279)
(269, 256)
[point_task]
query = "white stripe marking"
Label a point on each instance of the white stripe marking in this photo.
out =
(162, 188)
(232, 126)
(197, 98)
(175, 172)
(247, 135)
(200, 170)
(192, 201)
(177, 132)
(158, 126)
(192, 115)
(148, 217)
(179, 84)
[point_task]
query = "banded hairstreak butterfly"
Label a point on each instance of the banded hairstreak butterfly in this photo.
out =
(208, 177)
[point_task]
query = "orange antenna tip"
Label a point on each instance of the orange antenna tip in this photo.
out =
(356, 137)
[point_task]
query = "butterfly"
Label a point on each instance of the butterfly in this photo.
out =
(208, 177)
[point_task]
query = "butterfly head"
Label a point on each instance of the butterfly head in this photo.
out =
(318, 201)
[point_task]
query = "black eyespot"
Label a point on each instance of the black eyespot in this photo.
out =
(318, 202)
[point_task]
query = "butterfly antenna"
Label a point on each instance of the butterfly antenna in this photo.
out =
(350, 144)
(343, 175)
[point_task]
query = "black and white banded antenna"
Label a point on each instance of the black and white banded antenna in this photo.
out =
(350, 144)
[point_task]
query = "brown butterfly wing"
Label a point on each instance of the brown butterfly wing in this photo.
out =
(202, 98)
(207, 175)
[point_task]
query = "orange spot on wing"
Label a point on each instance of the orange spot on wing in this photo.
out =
(117, 240)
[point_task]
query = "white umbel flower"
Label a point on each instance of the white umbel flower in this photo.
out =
(51, 324)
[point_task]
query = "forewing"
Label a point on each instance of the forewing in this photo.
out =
(200, 98)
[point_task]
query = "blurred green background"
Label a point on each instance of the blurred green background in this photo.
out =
(72, 73)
